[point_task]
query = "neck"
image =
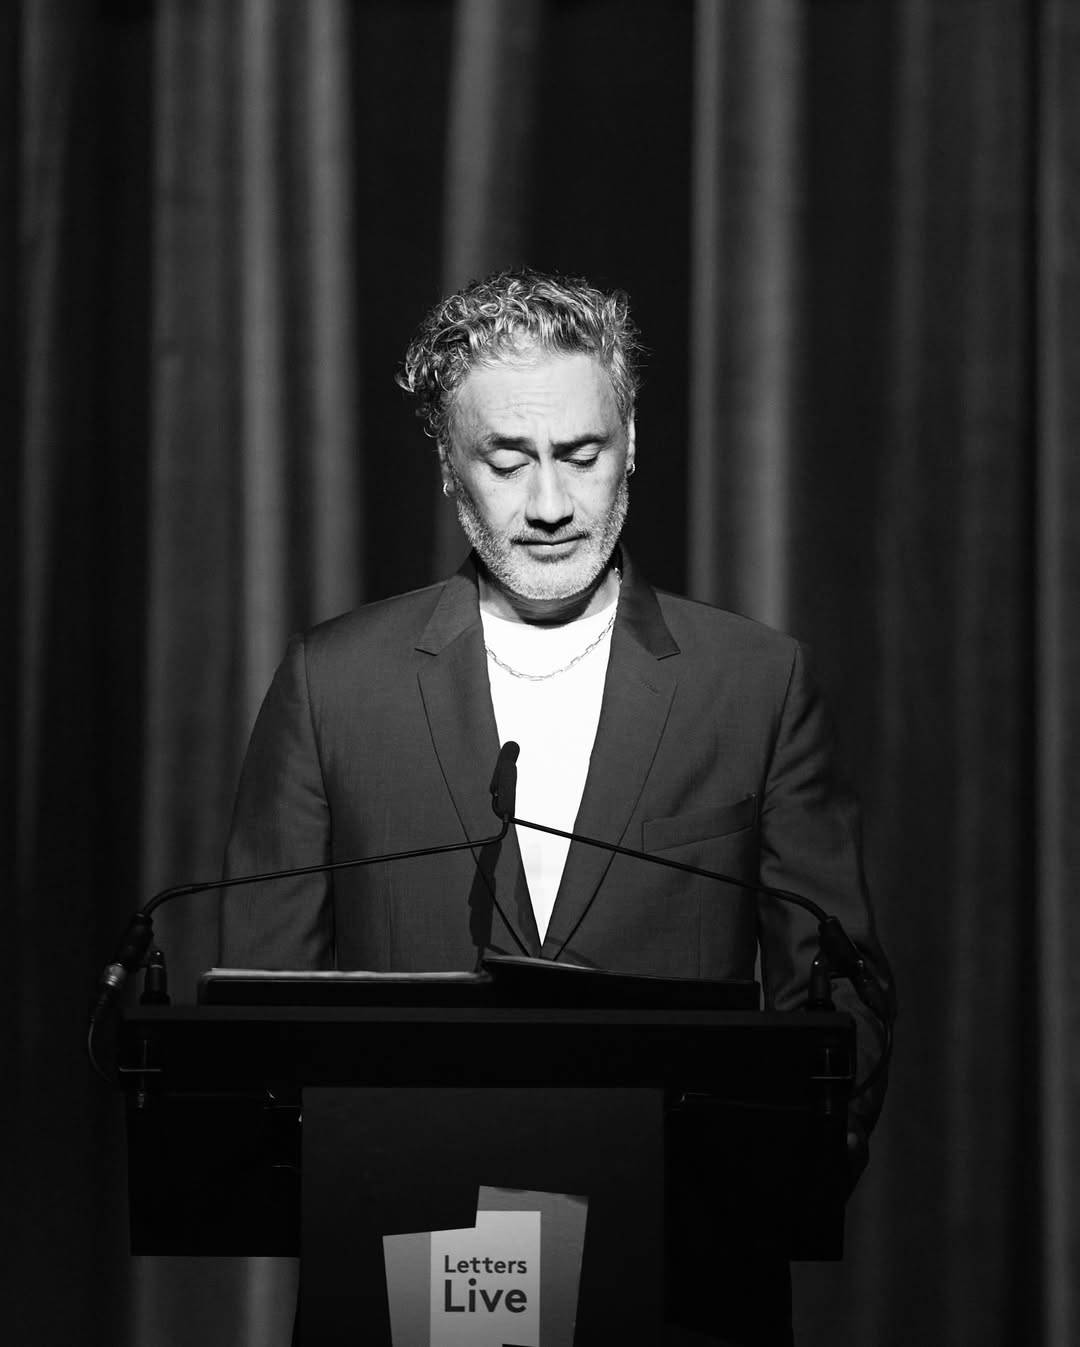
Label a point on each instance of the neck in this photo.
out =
(498, 601)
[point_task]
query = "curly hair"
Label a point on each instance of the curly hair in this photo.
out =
(510, 309)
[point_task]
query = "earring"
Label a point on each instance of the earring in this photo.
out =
(631, 468)
(446, 490)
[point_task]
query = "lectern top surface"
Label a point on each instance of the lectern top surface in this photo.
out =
(507, 982)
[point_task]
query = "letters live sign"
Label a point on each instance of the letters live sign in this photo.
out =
(485, 1282)
(512, 1278)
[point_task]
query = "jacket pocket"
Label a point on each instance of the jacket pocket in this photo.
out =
(698, 825)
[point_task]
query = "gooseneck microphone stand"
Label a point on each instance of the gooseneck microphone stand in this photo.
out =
(136, 941)
(837, 956)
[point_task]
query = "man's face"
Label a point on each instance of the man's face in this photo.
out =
(537, 466)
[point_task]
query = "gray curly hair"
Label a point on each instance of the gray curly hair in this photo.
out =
(510, 309)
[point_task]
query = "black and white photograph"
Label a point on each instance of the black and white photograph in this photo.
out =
(542, 730)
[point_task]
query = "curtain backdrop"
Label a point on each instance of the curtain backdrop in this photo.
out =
(849, 232)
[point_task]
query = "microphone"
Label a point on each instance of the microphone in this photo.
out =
(139, 934)
(837, 952)
(504, 782)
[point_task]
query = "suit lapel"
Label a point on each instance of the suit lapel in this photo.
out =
(457, 703)
(638, 693)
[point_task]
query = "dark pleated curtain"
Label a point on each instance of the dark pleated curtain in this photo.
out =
(850, 234)
(1055, 565)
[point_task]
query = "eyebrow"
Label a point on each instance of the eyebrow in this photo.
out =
(522, 442)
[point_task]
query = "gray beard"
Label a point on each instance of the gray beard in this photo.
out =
(539, 581)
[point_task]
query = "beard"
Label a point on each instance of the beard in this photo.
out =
(514, 570)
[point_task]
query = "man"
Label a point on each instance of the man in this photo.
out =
(644, 719)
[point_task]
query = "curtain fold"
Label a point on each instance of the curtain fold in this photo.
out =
(230, 218)
(745, 230)
(49, 94)
(1057, 591)
(262, 163)
(334, 444)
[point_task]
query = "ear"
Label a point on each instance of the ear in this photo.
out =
(445, 472)
(631, 445)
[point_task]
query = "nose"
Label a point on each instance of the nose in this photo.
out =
(549, 504)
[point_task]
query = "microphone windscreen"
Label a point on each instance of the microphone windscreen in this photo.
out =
(504, 781)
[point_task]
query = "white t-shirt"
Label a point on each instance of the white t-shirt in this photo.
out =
(554, 721)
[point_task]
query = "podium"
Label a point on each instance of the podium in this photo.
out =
(705, 1142)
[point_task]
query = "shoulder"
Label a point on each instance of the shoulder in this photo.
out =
(376, 635)
(736, 662)
(703, 631)
(399, 613)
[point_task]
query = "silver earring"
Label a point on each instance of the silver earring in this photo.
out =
(446, 490)
(631, 468)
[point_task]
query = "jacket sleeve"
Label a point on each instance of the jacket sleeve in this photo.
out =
(811, 843)
(281, 820)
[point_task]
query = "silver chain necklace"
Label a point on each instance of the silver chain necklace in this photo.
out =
(542, 678)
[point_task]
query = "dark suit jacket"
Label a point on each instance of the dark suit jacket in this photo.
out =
(378, 735)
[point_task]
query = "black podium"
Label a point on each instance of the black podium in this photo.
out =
(702, 1139)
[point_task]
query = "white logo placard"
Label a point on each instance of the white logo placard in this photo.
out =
(485, 1282)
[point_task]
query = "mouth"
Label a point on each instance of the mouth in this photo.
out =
(551, 547)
